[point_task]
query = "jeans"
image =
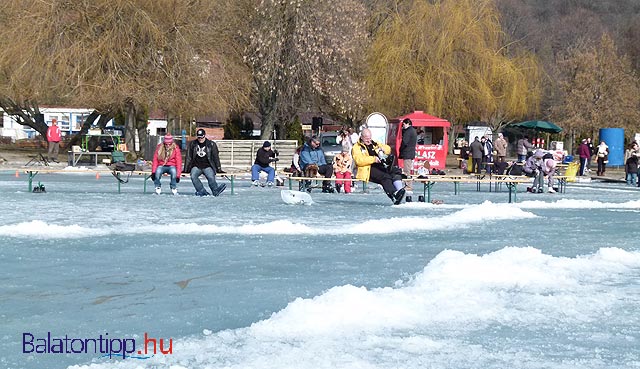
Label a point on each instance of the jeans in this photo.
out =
(632, 179)
(162, 169)
(601, 166)
(256, 169)
(209, 173)
(522, 158)
(538, 181)
(583, 166)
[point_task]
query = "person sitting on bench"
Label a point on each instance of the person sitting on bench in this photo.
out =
(372, 161)
(203, 158)
(167, 159)
(313, 156)
(342, 169)
(533, 168)
(264, 157)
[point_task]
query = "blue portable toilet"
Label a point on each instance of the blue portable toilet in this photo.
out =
(614, 138)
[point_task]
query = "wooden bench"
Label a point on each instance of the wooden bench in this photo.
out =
(510, 181)
(300, 180)
(75, 156)
(147, 175)
(32, 172)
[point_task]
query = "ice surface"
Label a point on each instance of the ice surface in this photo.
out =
(246, 281)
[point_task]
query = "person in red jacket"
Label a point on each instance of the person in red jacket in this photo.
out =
(53, 136)
(167, 159)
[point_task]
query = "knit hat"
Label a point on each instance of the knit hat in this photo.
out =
(539, 153)
(200, 133)
(550, 164)
(266, 144)
(168, 138)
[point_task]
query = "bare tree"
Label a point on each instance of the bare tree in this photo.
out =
(128, 55)
(600, 88)
(306, 52)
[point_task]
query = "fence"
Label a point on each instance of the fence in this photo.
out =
(241, 153)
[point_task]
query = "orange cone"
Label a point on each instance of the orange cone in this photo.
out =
(17, 174)
(97, 175)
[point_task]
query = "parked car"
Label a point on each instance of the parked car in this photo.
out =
(329, 145)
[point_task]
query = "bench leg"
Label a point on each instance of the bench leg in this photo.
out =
(426, 190)
(31, 175)
(513, 190)
(146, 177)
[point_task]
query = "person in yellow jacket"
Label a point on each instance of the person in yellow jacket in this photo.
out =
(372, 161)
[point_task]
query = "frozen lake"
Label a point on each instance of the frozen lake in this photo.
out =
(245, 281)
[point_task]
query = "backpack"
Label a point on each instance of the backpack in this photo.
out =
(120, 166)
(515, 170)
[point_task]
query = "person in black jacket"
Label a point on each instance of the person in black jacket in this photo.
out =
(264, 156)
(408, 148)
(477, 151)
(203, 158)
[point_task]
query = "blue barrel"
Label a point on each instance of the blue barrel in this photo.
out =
(614, 138)
(567, 159)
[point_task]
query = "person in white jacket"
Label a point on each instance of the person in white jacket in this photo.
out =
(602, 157)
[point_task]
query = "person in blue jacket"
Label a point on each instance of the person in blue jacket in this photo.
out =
(312, 154)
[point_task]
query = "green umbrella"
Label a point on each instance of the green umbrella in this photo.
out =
(539, 125)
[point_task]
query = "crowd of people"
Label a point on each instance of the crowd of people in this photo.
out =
(536, 162)
(364, 159)
(361, 158)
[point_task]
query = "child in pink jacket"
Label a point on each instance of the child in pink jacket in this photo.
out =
(167, 159)
(342, 170)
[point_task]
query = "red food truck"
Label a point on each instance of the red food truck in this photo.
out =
(433, 139)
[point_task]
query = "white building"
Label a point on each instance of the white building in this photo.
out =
(69, 120)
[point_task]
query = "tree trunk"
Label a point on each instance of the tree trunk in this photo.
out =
(130, 127)
(452, 137)
(268, 124)
(143, 136)
(24, 115)
(172, 124)
(75, 139)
